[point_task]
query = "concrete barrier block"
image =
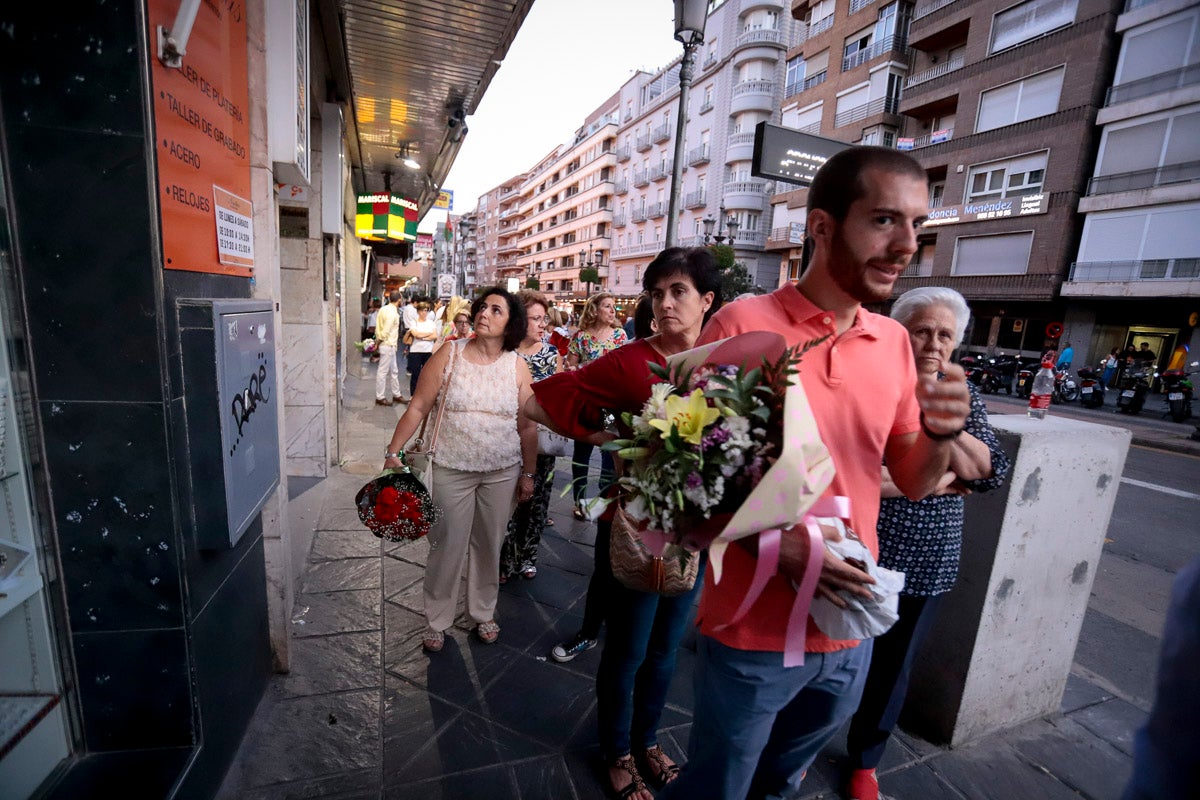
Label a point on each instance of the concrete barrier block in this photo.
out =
(1002, 646)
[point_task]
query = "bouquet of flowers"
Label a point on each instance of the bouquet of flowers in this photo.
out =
(727, 447)
(396, 506)
(368, 346)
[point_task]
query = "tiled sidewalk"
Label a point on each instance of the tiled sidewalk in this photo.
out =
(364, 713)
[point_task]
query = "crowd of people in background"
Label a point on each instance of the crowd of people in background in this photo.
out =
(503, 365)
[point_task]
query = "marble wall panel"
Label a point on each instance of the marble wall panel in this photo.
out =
(304, 373)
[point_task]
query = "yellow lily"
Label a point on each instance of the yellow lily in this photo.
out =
(690, 416)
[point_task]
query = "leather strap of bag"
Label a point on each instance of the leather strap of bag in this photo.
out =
(441, 408)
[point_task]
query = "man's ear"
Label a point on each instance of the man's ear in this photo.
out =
(820, 224)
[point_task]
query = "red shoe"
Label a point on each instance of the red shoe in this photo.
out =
(863, 785)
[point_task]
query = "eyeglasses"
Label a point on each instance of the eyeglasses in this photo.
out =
(537, 320)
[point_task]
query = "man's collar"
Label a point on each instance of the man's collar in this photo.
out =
(801, 310)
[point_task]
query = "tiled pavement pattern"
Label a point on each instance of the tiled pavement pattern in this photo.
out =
(364, 713)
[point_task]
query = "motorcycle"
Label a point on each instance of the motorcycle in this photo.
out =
(1026, 370)
(1066, 390)
(1091, 392)
(999, 374)
(1179, 391)
(973, 368)
(1134, 387)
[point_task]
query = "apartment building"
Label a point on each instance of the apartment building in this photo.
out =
(738, 83)
(1136, 277)
(562, 214)
(489, 210)
(996, 100)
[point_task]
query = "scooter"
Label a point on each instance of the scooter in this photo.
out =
(1179, 391)
(1091, 392)
(999, 374)
(1066, 390)
(1026, 369)
(1134, 386)
(973, 368)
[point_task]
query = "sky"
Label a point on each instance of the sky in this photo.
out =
(568, 57)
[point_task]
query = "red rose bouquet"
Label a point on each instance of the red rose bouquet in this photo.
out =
(396, 506)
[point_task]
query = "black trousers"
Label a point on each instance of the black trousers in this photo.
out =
(887, 681)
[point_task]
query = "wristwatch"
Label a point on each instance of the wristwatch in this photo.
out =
(399, 455)
(528, 475)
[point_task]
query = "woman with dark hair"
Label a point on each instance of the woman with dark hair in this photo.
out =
(518, 555)
(598, 334)
(643, 318)
(644, 630)
(425, 334)
(486, 452)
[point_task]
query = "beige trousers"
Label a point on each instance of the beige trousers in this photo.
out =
(475, 507)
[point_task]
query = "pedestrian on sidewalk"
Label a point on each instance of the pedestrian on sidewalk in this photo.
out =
(644, 629)
(518, 555)
(598, 334)
(424, 334)
(387, 333)
(486, 453)
(922, 539)
(1110, 368)
(759, 724)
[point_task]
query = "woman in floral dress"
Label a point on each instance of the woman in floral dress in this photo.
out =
(518, 555)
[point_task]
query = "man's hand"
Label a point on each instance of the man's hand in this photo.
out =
(945, 403)
(836, 574)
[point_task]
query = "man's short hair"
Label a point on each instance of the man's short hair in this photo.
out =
(838, 183)
(394, 296)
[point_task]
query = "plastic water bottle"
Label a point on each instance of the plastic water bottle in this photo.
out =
(1043, 387)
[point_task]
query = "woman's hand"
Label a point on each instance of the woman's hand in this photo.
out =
(524, 489)
(392, 462)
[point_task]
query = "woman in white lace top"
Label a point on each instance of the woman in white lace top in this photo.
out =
(485, 458)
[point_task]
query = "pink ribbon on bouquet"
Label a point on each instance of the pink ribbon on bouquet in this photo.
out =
(767, 566)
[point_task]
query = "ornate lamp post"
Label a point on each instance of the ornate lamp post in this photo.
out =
(708, 223)
(587, 266)
(690, 17)
(732, 225)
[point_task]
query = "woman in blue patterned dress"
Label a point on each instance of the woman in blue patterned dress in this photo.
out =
(518, 554)
(922, 539)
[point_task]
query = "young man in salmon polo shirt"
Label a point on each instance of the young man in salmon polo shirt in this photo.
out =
(759, 724)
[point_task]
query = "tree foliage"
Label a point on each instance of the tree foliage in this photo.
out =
(533, 283)
(589, 275)
(735, 278)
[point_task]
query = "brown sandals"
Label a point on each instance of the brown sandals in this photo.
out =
(659, 768)
(636, 784)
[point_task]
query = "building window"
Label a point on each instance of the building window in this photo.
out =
(1154, 234)
(1030, 19)
(1004, 254)
(935, 194)
(1015, 177)
(793, 269)
(1035, 96)
(1158, 48)
(795, 76)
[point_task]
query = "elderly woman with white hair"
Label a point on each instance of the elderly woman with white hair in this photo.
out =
(922, 538)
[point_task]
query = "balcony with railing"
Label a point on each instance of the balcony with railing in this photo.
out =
(656, 210)
(1167, 175)
(820, 26)
(925, 9)
(640, 249)
(642, 143)
(662, 133)
(859, 5)
(621, 187)
(641, 177)
(706, 106)
(697, 155)
(637, 215)
(624, 153)
(761, 36)
(749, 239)
(936, 137)
(662, 170)
(888, 44)
(1144, 87)
(696, 199)
(936, 71)
(746, 195)
(1161, 269)
(814, 128)
(880, 105)
(710, 61)
(1038, 286)
(815, 80)
(799, 34)
(619, 220)
(754, 86)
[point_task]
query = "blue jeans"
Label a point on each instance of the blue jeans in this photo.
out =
(636, 665)
(759, 725)
(579, 470)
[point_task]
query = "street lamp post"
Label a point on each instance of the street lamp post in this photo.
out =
(586, 262)
(690, 16)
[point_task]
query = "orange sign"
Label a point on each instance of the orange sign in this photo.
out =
(202, 127)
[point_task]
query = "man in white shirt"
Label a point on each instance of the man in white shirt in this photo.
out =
(387, 336)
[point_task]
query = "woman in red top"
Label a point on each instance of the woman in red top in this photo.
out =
(644, 630)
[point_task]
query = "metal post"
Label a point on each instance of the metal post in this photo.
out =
(686, 68)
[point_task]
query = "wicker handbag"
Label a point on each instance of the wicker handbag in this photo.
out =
(638, 569)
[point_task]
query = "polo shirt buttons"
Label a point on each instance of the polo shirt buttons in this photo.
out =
(828, 320)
